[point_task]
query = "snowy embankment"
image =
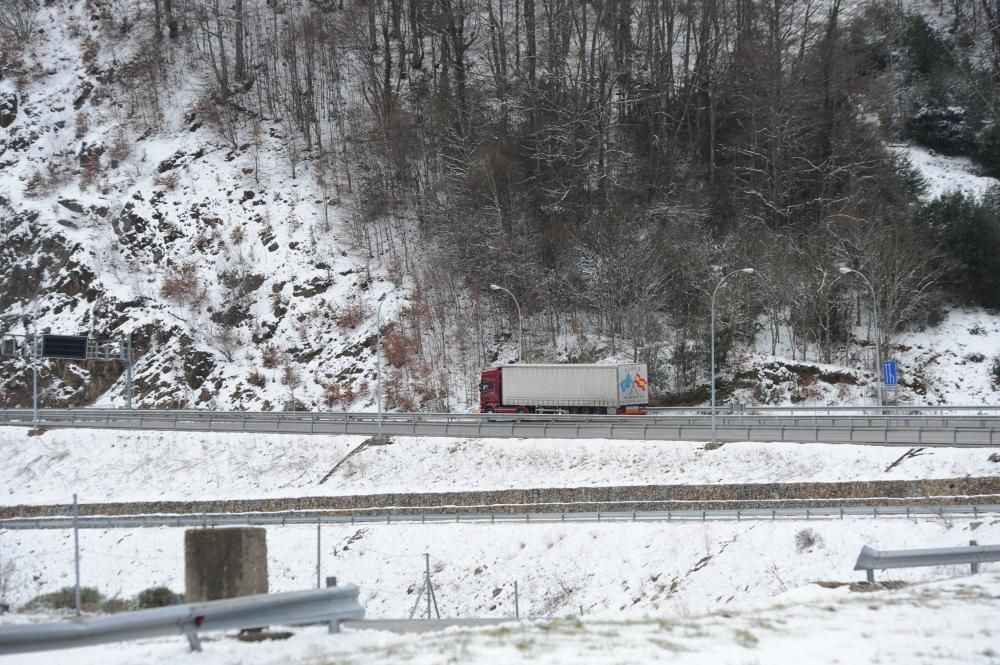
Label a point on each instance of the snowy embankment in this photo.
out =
(762, 575)
(630, 568)
(107, 465)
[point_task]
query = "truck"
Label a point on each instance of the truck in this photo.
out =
(565, 388)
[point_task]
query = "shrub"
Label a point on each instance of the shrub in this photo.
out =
(181, 284)
(995, 373)
(167, 181)
(157, 596)
(117, 605)
(270, 356)
(806, 539)
(257, 379)
(65, 599)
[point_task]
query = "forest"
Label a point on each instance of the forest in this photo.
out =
(609, 160)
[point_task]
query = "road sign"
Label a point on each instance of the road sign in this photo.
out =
(64, 346)
(889, 372)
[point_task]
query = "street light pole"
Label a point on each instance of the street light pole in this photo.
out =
(878, 332)
(748, 271)
(378, 364)
(520, 328)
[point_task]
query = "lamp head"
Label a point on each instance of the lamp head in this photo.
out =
(494, 287)
(748, 271)
(844, 270)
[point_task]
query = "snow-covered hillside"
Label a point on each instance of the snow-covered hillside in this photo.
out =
(115, 466)
(233, 254)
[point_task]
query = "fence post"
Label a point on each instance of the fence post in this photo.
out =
(332, 626)
(974, 564)
(517, 607)
(318, 551)
(76, 553)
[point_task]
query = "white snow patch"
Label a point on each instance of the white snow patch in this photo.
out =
(946, 174)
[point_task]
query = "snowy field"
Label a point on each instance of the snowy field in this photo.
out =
(108, 465)
(953, 621)
(950, 620)
(629, 569)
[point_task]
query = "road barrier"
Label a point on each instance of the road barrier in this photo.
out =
(330, 606)
(290, 518)
(892, 430)
(870, 559)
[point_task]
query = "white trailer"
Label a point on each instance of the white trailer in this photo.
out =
(575, 387)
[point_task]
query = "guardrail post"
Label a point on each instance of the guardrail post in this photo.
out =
(974, 564)
(517, 604)
(191, 631)
(870, 574)
(333, 626)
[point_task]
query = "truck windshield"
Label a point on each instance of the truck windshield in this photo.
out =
(486, 386)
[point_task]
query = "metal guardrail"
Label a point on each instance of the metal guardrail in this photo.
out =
(882, 430)
(887, 410)
(871, 559)
(292, 518)
(331, 606)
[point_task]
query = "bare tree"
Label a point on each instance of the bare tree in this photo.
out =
(18, 19)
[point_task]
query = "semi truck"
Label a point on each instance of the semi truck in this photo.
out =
(565, 388)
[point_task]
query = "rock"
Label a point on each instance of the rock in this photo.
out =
(8, 108)
(71, 205)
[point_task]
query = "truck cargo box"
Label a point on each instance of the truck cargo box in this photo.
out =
(575, 385)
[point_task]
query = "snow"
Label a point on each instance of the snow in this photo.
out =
(946, 174)
(718, 592)
(101, 465)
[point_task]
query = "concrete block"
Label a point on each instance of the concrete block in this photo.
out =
(224, 563)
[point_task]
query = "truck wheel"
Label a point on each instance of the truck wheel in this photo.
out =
(488, 409)
(519, 410)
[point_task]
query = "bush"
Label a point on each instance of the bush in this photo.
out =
(270, 356)
(117, 605)
(65, 599)
(944, 128)
(257, 379)
(157, 596)
(806, 539)
(182, 285)
(995, 373)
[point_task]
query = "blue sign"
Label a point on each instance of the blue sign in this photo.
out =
(889, 372)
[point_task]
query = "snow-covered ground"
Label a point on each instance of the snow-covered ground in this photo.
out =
(103, 465)
(609, 568)
(946, 174)
(699, 593)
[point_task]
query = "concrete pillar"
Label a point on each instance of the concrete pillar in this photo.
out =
(224, 563)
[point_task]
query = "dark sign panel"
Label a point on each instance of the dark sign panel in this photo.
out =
(64, 346)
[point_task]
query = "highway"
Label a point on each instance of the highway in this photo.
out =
(879, 429)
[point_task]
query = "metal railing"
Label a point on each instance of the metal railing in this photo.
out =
(904, 430)
(208, 520)
(330, 606)
(870, 560)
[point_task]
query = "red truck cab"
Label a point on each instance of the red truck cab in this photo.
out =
(489, 392)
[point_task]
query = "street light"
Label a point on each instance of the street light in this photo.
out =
(878, 335)
(748, 271)
(378, 365)
(520, 329)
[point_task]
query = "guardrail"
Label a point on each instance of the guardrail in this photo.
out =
(330, 606)
(881, 430)
(871, 559)
(292, 518)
